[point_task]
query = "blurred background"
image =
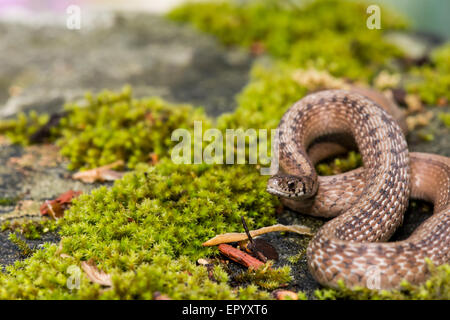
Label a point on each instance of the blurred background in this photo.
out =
(428, 16)
(45, 64)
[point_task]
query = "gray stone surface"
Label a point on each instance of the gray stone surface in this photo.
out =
(50, 64)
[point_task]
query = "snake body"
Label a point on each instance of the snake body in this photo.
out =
(367, 203)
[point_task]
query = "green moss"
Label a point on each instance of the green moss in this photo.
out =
(21, 129)
(112, 126)
(426, 136)
(340, 164)
(326, 34)
(445, 118)
(30, 229)
(24, 248)
(116, 126)
(140, 228)
(7, 201)
(266, 277)
(433, 80)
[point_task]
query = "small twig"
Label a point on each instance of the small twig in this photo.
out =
(104, 173)
(235, 236)
(252, 247)
(240, 256)
(50, 210)
(249, 236)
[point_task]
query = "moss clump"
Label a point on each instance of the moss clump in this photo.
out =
(266, 277)
(445, 118)
(116, 126)
(110, 127)
(30, 229)
(326, 34)
(139, 229)
(339, 165)
(20, 130)
(433, 84)
(25, 250)
(437, 287)
(7, 201)
(170, 208)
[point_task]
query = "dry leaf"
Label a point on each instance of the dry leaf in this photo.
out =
(442, 102)
(235, 236)
(60, 247)
(203, 262)
(100, 174)
(95, 275)
(154, 159)
(285, 295)
(261, 249)
(257, 48)
(55, 208)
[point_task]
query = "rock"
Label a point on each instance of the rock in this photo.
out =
(49, 65)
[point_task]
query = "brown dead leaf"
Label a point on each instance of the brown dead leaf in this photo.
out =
(154, 159)
(203, 261)
(96, 275)
(60, 247)
(442, 102)
(104, 173)
(55, 208)
(285, 295)
(235, 236)
(257, 48)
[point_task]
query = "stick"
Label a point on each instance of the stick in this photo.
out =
(240, 256)
(235, 236)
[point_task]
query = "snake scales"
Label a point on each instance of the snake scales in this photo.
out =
(368, 203)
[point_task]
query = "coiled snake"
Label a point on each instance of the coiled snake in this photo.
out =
(368, 203)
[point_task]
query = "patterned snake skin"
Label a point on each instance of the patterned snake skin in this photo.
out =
(368, 203)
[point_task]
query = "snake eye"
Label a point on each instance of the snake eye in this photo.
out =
(291, 185)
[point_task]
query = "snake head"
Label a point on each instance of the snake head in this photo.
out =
(288, 186)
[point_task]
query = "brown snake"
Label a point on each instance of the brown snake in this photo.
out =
(368, 203)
